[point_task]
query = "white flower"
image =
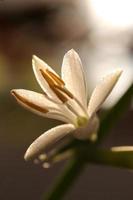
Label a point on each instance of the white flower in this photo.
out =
(65, 99)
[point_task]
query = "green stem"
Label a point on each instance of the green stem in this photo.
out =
(110, 158)
(66, 180)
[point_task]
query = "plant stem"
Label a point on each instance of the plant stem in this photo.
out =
(66, 179)
(116, 159)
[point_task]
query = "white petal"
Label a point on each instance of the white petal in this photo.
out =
(73, 76)
(38, 65)
(102, 90)
(122, 148)
(47, 139)
(39, 104)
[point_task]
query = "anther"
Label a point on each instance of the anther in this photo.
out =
(29, 103)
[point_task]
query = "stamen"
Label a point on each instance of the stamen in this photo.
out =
(30, 104)
(66, 118)
(72, 109)
(68, 93)
(64, 90)
(56, 78)
(52, 85)
(47, 77)
(81, 106)
(52, 100)
(60, 91)
(61, 96)
(50, 111)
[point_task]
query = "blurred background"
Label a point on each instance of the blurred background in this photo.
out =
(102, 33)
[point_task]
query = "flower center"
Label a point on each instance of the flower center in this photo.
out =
(81, 121)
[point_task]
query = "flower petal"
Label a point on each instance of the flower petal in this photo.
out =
(102, 90)
(39, 68)
(47, 139)
(39, 104)
(122, 148)
(73, 76)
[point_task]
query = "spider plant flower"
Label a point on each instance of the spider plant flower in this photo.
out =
(64, 99)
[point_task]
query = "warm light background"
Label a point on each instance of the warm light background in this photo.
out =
(102, 33)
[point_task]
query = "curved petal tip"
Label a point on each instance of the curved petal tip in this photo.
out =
(71, 51)
(26, 156)
(29, 153)
(35, 59)
(13, 91)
